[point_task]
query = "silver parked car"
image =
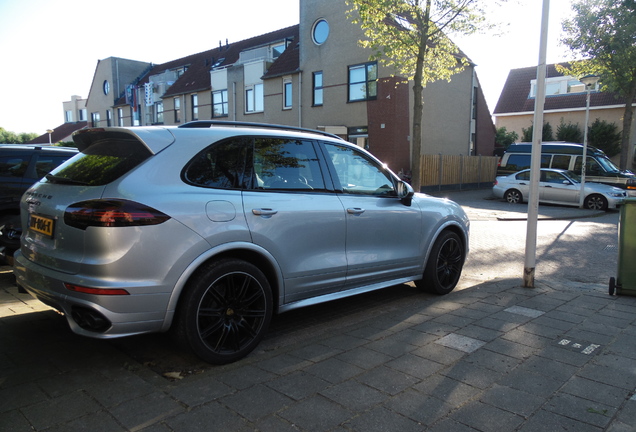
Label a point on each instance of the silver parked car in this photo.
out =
(558, 186)
(209, 228)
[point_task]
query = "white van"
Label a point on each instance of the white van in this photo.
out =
(568, 156)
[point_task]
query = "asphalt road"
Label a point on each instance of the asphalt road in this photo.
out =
(571, 244)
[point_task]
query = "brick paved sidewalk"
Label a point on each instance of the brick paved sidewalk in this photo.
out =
(490, 357)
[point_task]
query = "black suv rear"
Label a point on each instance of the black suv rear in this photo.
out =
(20, 167)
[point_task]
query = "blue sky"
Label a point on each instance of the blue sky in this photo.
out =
(50, 48)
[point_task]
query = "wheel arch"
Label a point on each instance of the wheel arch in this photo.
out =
(244, 251)
(452, 226)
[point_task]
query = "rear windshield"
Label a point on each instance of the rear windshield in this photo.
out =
(102, 162)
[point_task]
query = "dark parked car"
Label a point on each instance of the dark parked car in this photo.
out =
(208, 230)
(20, 167)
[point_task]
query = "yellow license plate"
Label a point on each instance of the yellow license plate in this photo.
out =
(41, 224)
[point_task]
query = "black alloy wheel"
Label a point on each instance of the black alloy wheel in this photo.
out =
(444, 266)
(226, 311)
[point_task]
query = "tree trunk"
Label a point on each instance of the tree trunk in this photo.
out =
(418, 105)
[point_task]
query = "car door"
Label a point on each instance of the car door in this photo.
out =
(383, 236)
(293, 214)
(556, 188)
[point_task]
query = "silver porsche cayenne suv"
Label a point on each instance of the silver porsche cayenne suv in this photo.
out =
(208, 229)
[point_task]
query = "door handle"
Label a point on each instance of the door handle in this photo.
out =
(264, 212)
(355, 210)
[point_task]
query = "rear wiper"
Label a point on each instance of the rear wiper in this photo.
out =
(63, 180)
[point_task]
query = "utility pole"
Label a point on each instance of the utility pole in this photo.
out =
(535, 164)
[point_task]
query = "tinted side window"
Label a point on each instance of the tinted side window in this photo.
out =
(561, 162)
(357, 174)
(46, 163)
(593, 167)
(517, 162)
(523, 176)
(286, 164)
(223, 165)
(14, 165)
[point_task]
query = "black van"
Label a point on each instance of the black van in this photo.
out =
(21, 165)
(568, 156)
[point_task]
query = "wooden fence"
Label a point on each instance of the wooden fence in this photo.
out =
(457, 172)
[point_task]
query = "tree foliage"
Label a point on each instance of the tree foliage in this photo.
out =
(602, 33)
(570, 132)
(8, 137)
(505, 138)
(546, 135)
(605, 136)
(412, 38)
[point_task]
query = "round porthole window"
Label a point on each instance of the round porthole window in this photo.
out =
(106, 87)
(320, 31)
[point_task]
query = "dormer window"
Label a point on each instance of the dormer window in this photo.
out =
(278, 49)
(562, 85)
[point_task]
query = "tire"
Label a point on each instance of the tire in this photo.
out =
(595, 202)
(513, 196)
(225, 311)
(444, 266)
(10, 231)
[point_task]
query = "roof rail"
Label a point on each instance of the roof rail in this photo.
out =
(210, 123)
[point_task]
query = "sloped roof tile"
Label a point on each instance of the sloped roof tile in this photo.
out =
(515, 96)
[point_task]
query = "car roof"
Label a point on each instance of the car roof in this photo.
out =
(38, 147)
(157, 138)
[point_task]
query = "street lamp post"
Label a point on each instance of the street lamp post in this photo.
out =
(50, 131)
(590, 82)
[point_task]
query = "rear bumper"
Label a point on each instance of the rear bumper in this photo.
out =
(97, 316)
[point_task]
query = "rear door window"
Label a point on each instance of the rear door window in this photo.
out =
(286, 164)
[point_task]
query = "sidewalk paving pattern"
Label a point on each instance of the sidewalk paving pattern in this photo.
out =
(491, 356)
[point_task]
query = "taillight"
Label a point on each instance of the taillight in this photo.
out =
(111, 213)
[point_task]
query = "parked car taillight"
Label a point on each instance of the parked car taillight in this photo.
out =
(111, 213)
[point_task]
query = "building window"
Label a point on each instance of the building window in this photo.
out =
(254, 98)
(95, 119)
(287, 94)
(195, 107)
(560, 86)
(317, 85)
(159, 112)
(177, 110)
(81, 115)
(363, 82)
(109, 118)
(278, 49)
(120, 117)
(68, 116)
(320, 31)
(219, 103)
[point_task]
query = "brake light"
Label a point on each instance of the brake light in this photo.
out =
(97, 291)
(111, 213)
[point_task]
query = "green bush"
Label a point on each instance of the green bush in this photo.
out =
(547, 133)
(605, 136)
(569, 132)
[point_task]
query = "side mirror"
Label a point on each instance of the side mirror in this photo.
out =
(405, 192)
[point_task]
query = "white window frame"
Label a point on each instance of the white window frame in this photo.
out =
(288, 93)
(254, 98)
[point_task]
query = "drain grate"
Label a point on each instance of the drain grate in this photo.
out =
(610, 248)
